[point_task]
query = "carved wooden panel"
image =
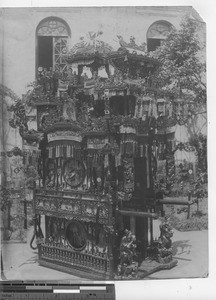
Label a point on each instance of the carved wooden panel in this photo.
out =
(70, 260)
(80, 206)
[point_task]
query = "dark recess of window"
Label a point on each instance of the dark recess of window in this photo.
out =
(45, 52)
(152, 44)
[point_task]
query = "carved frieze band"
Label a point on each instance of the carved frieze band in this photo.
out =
(84, 210)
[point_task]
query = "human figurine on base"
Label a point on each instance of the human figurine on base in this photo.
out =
(166, 233)
(127, 266)
(161, 249)
(159, 253)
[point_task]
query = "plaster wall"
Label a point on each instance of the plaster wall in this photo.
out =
(19, 33)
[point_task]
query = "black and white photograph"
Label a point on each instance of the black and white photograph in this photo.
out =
(104, 169)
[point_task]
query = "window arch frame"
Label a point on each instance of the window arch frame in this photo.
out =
(164, 22)
(43, 21)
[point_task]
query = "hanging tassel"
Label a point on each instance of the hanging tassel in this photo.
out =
(38, 154)
(59, 162)
(77, 154)
(30, 158)
(118, 160)
(141, 151)
(147, 166)
(141, 109)
(97, 229)
(27, 157)
(94, 161)
(72, 151)
(100, 159)
(53, 152)
(106, 161)
(33, 158)
(91, 161)
(88, 161)
(160, 149)
(64, 151)
(126, 151)
(154, 149)
(136, 149)
(121, 150)
(133, 146)
(68, 151)
(57, 151)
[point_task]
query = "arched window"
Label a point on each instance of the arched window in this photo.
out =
(52, 37)
(156, 33)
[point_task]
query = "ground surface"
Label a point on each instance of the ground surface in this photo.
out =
(20, 262)
(189, 248)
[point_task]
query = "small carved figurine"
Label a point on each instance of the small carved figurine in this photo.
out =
(127, 248)
(166, 233)
(161, 249)
(127, 267)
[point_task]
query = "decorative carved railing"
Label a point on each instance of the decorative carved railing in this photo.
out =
(70, 259)
(78, 205)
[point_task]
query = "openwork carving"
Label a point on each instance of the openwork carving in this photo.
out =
(52, 27)
(64, 135)
(127, 266)
(97, 263)
(78, 206)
